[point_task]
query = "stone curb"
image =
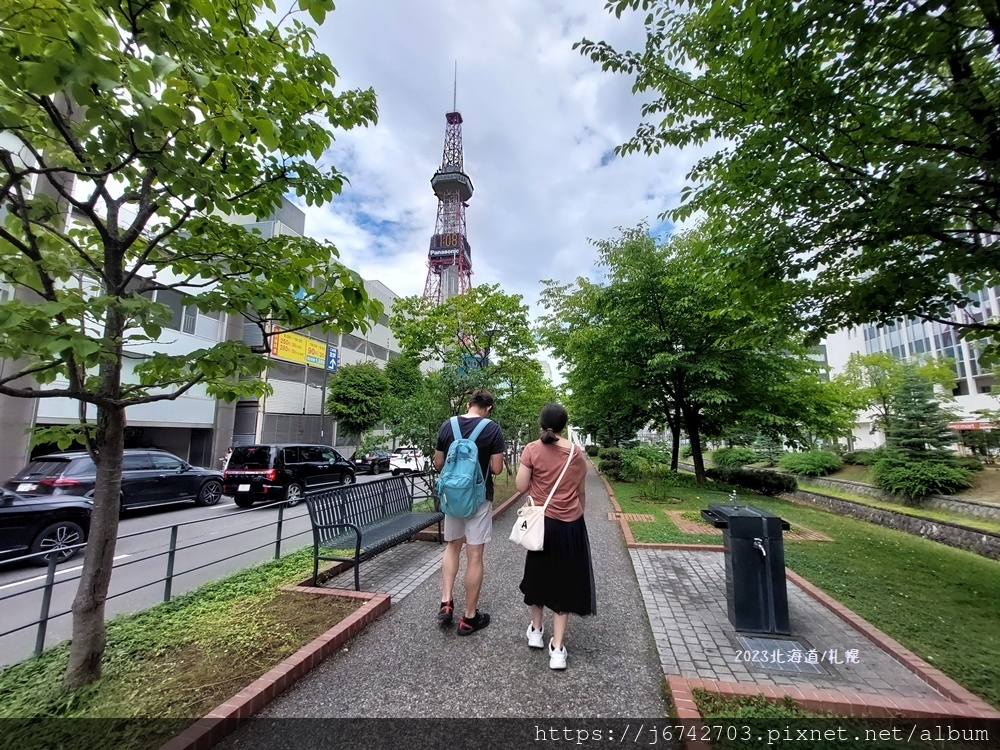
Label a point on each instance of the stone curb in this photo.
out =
(223, 719)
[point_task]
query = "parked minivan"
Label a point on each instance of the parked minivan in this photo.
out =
(265, 473)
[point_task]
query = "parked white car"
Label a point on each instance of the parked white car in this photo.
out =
(406, 460)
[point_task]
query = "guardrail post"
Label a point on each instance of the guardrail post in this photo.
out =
(277, 541)
(170, 563)
(43, 618)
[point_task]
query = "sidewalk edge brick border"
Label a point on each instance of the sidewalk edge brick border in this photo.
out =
(223, 719)
(630, 541)
(851, 704)
(932, 676)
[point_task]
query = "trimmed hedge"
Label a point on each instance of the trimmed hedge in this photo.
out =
(611, 468)
(811, 463)
(613, 453)
(734, 458)
(762, 482)
(592, 450)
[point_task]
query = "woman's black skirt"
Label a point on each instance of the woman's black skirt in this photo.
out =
(561, 576)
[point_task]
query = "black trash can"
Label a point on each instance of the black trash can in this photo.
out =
(755, 567)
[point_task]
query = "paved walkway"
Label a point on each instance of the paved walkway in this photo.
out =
(405, 666)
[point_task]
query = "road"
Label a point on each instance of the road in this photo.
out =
(141, 558)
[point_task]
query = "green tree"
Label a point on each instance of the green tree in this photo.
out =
(355, 396)
(919, 423)
(769, 447)
(877, 378)
(662, 333)
(918, 460)
(861, 152)
(483, 334)
(147, 124)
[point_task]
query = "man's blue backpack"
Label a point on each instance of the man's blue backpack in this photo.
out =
(461, 486)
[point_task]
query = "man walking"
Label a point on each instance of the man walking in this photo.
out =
(476, 531)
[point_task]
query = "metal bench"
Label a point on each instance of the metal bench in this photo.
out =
(369, 518)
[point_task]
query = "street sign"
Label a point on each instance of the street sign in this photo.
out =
(332, 358)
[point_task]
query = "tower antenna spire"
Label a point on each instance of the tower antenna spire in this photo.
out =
(454, 100)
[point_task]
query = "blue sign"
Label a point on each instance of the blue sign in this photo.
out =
(332, 358)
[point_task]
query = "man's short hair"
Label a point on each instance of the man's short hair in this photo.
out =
(481, 398)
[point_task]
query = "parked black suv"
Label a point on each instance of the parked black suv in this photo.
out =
(29, 525)
(283, 472)
(149, 477)
(374, 462)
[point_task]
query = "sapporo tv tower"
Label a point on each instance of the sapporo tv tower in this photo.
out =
(449, 259)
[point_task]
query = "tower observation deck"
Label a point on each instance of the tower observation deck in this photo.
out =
(449, 258)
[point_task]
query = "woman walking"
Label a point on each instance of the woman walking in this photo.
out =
(561, 576)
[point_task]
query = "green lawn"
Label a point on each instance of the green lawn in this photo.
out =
(941, 603)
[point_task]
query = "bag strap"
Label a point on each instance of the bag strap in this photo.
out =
(456, 431)
(572, 447)
(479, 428)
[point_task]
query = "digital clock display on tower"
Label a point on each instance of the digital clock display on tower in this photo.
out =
(446, 245)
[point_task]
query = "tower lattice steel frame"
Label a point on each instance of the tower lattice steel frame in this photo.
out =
(449, 259)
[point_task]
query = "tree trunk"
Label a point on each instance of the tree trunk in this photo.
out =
(87, 646)
(691, 420)
(675, 432)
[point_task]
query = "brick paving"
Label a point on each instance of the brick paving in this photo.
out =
(396, 572)
(685, 598)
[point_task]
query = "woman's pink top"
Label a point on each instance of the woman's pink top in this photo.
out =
(546, 463)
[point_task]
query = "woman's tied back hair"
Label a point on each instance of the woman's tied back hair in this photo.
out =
(553, 420)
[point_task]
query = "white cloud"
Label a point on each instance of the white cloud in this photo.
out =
(539, 121)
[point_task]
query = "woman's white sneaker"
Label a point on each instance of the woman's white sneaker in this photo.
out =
(557, 658)
(536, 638)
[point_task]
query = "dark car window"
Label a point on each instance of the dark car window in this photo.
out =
(82, 466)
(251, 457)
(329, 454)
(290, 455)
(44, 467)
(166, 463)
(311, 454)
(136, 463)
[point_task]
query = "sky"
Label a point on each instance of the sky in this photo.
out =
(541, 122)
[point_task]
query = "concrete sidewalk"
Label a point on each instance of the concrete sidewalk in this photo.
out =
(406, 666)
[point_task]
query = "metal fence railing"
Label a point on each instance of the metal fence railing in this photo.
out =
(174, 548)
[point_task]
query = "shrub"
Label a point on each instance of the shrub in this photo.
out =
(866, 457)
(917, 479)
(611, 468)
(969, 463)
(811, 463)
(761, 482)
(638, 460)
(592, 450)
(733, 458)
(613, 453)
(686, 450)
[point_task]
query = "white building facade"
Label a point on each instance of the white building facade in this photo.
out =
(913, 339)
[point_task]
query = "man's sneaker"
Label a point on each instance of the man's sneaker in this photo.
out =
(536, 637)
(469, 625)
(557, 659)
(445, 613)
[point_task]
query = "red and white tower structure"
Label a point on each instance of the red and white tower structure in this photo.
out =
(449, 259)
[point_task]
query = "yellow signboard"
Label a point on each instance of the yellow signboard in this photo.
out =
(315, 353)
(290, 346)
(302, 349)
